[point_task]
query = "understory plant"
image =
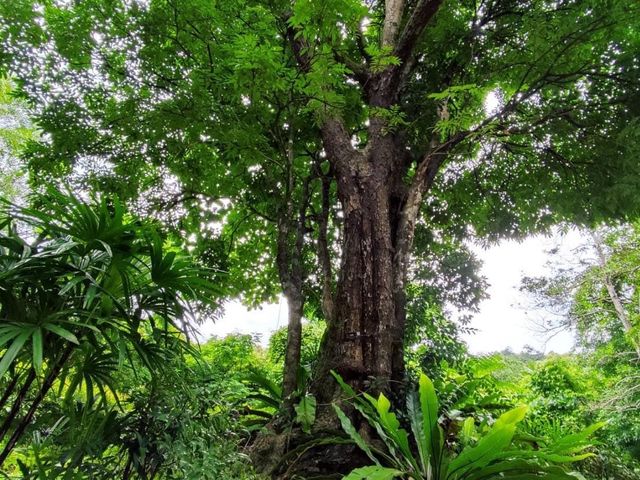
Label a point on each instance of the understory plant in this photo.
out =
(429, 452)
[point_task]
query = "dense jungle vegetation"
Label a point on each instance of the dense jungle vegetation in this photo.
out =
(160, 158)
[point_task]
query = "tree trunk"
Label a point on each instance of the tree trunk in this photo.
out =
(290, 268)
(292, 354)
(364, 342)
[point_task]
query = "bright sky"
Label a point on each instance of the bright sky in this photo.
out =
(502, 322)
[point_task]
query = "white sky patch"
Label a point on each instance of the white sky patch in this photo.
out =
(493, 102)
(238, 319)
(504, 321)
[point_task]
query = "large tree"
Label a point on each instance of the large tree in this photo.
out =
(431, 118)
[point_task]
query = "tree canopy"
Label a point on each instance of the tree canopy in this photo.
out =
(339, 152)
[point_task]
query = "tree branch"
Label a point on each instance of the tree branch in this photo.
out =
(337, 144)
(393, 10)
(422, 14)
(422, 181)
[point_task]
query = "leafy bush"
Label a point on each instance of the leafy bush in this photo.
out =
(492, 451)
(98, 378)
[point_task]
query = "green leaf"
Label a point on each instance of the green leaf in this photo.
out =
(430, 428)
(36, 342)
(306, 412)
(512, 468)
(490, 446)
(8, 333)
(373, 472)
(346, 388)
(513, 416)
(13, 351)
(350, 430)
(70, 284)
(576, 440)
(468, 431)
(391, 426)
(62, 332)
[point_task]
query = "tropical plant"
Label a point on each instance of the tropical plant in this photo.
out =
(339, 128)
(596, 295)
(84, 288)
(266, 401)
(491, 451)
(492, 118)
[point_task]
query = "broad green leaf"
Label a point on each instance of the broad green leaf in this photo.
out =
(391, 426)
(488, 448)
(513, 416)
(417, 428)
(373, 472)
(430, 428)
(306, 412)
(468, 431)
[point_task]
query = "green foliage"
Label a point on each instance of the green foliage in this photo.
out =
(596, 297)
(381, 57)
(16, 131)
(306, 412)
(208, 116)
(91, 277)
(311, 336)
(393, 117)
(496, 450)
(93, 303)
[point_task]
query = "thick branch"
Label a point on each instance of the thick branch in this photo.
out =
(422, 181)
(422, 14)
(359, 71)
(338, 146)
(393, 10)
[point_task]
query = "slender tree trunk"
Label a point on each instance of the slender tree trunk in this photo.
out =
(44, 389)
(324, 256)
(292, 354)
(295, 300)
(17, 403)
(9, 390)
(290, 269)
